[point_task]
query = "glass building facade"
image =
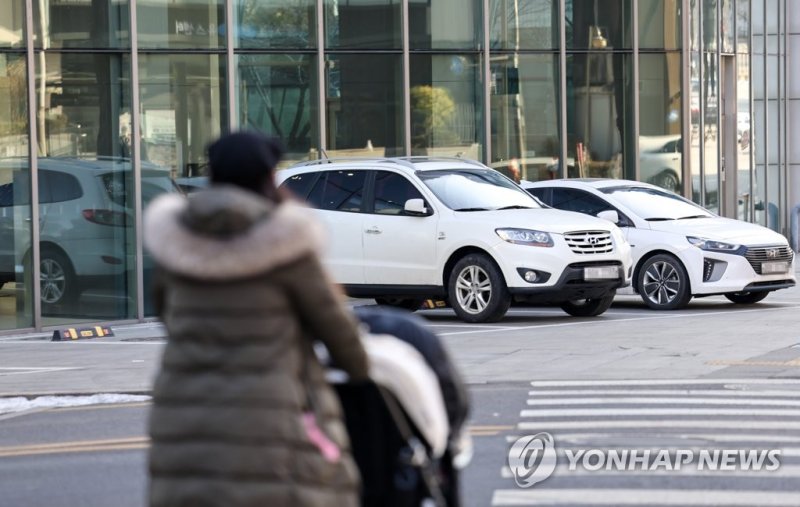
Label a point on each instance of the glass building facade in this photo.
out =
(105, 104)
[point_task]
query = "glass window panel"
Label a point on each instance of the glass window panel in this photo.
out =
(183, 108)
(709, 25)
(277, 94)
(710, 104)
(445, 24)
(660, 141)
(446, 113)
(772, 12)
(366, 24)
(12, 25)
(525, 105)
(364, 105)
(97, 24)
(338, 191)
(600, 116)
(275, 23)
(743, 134)
(760, 195)
(773, 137)
(87, 240)
(742, 25)
(772, 208)
(523, 24)
(659, 24)
(694, 26)
(728, 36)
(695, 154)
(758, 17)
(598, 24)
(16, 305)
(300, 184)
(758, 128)
(180, 24)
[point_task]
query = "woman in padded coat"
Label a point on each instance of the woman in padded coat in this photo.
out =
(242, 415)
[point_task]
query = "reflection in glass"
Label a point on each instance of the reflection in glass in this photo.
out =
(743, 138)
(445, 24)
(599, 116)
(659, 24)
(598, 24)
(742, 25)
(710, 131)
(276, 94)
(97, 24)
(16, 305)
(660, 142)
(524, 101)
(364, 105)
(727, 35)
(446, 97)
(523, 24)
(180, 24)
(275, 23)
(12, 25)
(695, 154)
(87, 239)
(367, 24)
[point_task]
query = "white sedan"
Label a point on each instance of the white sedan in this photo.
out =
(680, 249)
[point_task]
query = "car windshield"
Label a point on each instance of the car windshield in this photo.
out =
(476, 190)
(653, 204)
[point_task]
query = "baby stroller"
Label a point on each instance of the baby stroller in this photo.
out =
(399, 431)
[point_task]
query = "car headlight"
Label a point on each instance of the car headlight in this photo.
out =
(711, 245)
(525, 237)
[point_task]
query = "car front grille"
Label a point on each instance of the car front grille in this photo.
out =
(755, 256)
(589, 242)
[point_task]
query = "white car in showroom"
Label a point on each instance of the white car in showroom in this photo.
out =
(680, 249)
(402, 230)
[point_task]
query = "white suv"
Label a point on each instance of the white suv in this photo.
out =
(406, 229)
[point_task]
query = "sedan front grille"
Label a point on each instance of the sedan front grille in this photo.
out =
(755, 256)
(589, 242)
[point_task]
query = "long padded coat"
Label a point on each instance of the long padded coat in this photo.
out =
(242, 296)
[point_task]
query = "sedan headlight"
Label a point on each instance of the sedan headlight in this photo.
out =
(525, 237)
(712, 246)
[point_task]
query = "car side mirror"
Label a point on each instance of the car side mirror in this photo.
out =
(610, 215)
(416, 207)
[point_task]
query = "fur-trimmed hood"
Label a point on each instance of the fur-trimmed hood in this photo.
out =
(225, 233)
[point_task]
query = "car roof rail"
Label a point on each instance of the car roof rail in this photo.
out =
(426, 158)
(385, 160)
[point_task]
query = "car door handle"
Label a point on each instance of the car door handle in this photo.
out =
(373, 230)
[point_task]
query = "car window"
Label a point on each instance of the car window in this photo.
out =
(476, 190)
(571, 199)
(300, 184)
(62, 186)
(338, 191)
(541, 193)
(655, 204)
(392, 190)
(6, 195)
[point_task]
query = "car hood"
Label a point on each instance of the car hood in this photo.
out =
(721, 229)
(544, 219)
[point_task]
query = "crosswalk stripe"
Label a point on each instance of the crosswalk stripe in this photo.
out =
(663, 382)
(766, 393)
(662, 401)
(662, 424)
(540, 413)
(616, 497)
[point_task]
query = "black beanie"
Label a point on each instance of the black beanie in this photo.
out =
(245, 159)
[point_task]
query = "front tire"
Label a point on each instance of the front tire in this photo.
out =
(747, 298)
(58, 283)
(588, 307)
(663, 283)
(477, 290)
(667, 180)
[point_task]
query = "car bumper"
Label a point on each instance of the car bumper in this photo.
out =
(732, 273)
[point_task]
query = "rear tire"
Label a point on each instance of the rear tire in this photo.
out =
(409, 304)
(57, 280)
(663, 283)
(477, 290)
(588, 307)
(747, 298)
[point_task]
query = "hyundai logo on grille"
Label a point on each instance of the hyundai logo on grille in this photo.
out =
(772, 253)
(592, 240)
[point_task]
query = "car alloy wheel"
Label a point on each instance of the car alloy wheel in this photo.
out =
(53, 281)
(663, 283)
(477, 289)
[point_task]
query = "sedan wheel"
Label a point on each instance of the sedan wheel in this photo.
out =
(663, 283)
(477, 290)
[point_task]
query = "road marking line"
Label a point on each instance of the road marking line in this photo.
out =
(70, 450)
(723, 362)
(766, 393)
(660, 424)
(75, 446)
(593, 412)
(663, 382)
(595, 321)
(619, 496)
(663, 401)
(23, 370)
